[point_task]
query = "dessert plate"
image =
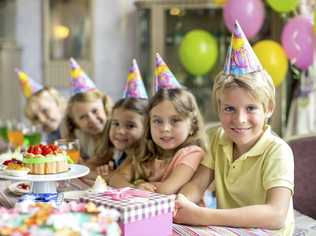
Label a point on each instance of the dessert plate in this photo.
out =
(18, 173)
(20, 188)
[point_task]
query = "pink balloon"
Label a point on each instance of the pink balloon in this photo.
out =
(298, 41)
(249, 13)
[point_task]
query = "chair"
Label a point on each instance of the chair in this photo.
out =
(304, 150)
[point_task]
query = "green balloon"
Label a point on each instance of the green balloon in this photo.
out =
(283, 6)
(198, 52)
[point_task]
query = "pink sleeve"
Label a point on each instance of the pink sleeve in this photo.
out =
(190, 156)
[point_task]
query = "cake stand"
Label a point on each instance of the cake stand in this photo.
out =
(47, 183)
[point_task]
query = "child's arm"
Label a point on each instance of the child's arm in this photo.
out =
(195, 189)
(180, 170)
(270, 215)
(122, 176)
(180, 175)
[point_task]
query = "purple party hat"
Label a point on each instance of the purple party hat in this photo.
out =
(240, 58)
(80, 82)
(134, 86)
(164, 78)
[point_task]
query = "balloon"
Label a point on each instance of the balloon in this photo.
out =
(283, 5)
(315, 21)
(273, 59)
(198, 52)
(220, 2)
(298, 41)
(249, 13)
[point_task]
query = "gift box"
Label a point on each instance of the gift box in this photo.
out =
(141, 213)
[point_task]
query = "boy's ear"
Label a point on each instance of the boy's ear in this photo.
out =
(270, 111)
(269, 114)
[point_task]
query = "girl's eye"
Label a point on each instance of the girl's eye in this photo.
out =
(95, 111)
(114, 123)
(251, 108)
(229, 109)
(175, 121)
(156, 121)
(130, 126)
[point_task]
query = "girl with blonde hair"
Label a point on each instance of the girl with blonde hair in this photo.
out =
(86, 115)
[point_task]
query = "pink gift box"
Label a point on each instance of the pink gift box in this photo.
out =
(141, 213)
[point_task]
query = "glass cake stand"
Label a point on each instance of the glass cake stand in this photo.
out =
(47, 183)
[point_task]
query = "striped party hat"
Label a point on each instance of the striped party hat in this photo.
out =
(164, 78)
(28, 85)
(80, 82)
(240, 58)
(134, 86)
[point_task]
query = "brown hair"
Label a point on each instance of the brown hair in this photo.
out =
(105, 148)
(185, 104)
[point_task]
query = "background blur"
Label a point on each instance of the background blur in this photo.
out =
(39, 36)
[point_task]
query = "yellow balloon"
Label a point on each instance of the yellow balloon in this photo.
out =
(273, 59)
(315, 20)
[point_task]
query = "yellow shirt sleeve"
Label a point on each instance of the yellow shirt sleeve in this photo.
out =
(208, 160)
(278, 169)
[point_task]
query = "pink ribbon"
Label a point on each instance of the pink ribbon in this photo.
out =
(125, 193)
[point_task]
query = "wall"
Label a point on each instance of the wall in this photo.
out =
(115, 44)
(114, 48)
(29, 36)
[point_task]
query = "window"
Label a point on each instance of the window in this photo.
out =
(69, 29)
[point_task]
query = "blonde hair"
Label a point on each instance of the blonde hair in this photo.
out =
(90, 96)
(60, 101)
(185, 104)
(258, 84)
(105, 149)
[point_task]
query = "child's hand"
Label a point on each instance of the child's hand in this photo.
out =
(105, 170)
(186, 212)
(146, 186)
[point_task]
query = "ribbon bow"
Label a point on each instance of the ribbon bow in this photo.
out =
(125, 193)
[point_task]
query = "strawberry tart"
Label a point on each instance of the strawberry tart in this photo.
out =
(46, 159)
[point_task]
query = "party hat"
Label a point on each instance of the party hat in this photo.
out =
(80, 82)
(240, 58)
(28, 85)
(163, 76)
(134, 87)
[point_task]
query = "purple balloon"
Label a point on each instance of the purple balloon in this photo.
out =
(298, 41)
(249, 13)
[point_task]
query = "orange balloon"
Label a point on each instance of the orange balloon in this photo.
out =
(273, 59)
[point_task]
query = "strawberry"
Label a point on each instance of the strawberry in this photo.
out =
(23, 186)
(7, 162)
(30, 149)
(46, 150)
(53, 147)
(37, 150)
(14, 161)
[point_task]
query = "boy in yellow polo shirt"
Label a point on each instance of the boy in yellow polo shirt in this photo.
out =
(253, 169)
